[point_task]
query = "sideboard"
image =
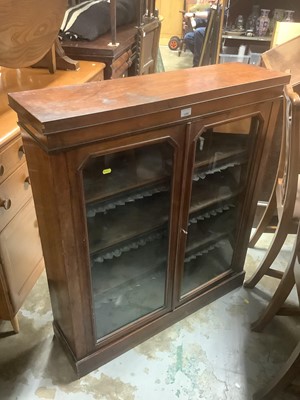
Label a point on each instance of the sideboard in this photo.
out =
(21, 260)
(145, 191)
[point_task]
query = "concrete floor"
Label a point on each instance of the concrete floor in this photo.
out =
(172, 61)
(210, 355)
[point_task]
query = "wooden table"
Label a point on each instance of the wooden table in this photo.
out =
(21, 260)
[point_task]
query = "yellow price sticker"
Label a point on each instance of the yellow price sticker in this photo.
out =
(106, 171)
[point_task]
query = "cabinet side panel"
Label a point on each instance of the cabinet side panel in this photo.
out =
(41, 176)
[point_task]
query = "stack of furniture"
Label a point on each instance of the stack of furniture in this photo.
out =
(135, 51)
(21, 260)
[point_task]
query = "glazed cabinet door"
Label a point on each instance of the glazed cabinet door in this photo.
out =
(130, 205)
(217, 170)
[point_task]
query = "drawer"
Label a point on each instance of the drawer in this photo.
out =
(16, 191)
(11, 157)
(120, 66)
(21, 254)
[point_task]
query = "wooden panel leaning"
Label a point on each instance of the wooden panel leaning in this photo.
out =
(283, 57)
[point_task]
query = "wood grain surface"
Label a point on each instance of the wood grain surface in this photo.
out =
(28, 29)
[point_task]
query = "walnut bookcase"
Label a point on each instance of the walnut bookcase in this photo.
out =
(145, 190)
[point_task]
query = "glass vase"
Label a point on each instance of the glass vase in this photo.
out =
(278, 15)
(239, 23)
(289, 16)
(262, 23)
(251, 20)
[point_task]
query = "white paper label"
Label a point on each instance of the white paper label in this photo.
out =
(185, 112)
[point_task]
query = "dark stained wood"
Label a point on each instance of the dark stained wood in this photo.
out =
(63, 129)
(57, 59)
(136, 97)
(147, 47)
(100, 49)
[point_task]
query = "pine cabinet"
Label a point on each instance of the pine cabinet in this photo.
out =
(145, 190)
(21, 259)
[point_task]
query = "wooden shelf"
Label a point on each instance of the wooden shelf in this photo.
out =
(114, 273)
(126, 175)
(247, 38)
(208, 269)
(125, 198)
(221, 147)
(209, 232)
(104, 230)
(213, 190)
(201, 245)
(215, 209)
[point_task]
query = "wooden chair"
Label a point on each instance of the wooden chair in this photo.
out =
(21, 46)
(285, 189)
(147, 46)
(280, 58)
(213, 35)
(288, 205)
(291, 368)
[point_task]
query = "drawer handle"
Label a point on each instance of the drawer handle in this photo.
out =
(21, 151)
(6, 204)
(27, 182)
(1, 170)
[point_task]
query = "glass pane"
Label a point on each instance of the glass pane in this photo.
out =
(219, 177)
(127, 206)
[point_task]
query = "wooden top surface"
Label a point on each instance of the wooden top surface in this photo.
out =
(101, 46)
(28, 29)
(15, 80)
(64, 108)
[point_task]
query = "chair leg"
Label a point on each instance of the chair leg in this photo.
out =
(15, 324)
(284, 289)
(285, 376)
(265, 219)
(275, 247)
